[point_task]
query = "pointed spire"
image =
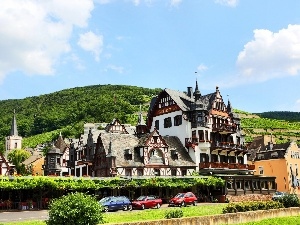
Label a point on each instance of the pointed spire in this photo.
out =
(229, 107)
(197, 93)
(140, 117)
(14, 129)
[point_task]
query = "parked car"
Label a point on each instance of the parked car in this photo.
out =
(183, 199)
(149, 201)
(114, 203)
(278, 195)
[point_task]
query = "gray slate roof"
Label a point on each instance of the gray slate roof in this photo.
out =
(121, 142)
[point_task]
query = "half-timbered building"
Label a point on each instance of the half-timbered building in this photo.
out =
(119, 152)
(211, 133)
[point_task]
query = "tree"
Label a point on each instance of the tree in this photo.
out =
(75, 208)
(17, 157)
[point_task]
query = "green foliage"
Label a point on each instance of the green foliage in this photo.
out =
(68, 109)
(17, 157)
(289, 200)
(174, 213)
(251, 206)
(82, 184)
(75, 208)
(281, 115)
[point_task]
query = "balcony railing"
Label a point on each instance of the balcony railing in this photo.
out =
(228, 146)
(190, 142)
(224, 165)
(223, 127)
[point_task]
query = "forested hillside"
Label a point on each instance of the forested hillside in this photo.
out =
(281, 115)
(69, 109)
(41, 118)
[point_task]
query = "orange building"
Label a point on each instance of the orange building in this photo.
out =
(280, 160)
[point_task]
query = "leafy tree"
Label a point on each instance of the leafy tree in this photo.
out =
(75, 208)
(17, 157)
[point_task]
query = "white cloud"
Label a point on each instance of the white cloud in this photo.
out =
(231, 3)
(118, 69)
(202, 67)
(34, 34)
(270, 55)
(92, 43)
(175, 3)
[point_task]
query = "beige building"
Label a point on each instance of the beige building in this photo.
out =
(280, 160)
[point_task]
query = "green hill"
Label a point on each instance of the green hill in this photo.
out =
(284, 126)
(68, 109)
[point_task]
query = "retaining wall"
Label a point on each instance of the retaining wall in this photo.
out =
(229, 218)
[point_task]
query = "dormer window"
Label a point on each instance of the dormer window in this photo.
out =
(174, 154)
(128, 154)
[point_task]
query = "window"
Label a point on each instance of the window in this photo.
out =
(167, 122)
(16, 145)
(128, 172)
(156, 172)
(261, 170)
(58, 160)
(173, 172)
(177, 120)
(183, 172)
(157, 124)
(206, 136)
(201, 135)
(140, 172)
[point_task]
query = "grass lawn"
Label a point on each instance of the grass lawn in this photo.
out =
(156, 214)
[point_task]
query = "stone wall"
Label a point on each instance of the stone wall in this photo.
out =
(229, 218)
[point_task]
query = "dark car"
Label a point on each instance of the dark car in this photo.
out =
(149, 201)
(183, 199)
(114, 203)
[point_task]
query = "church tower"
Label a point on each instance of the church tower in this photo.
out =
(14, 141)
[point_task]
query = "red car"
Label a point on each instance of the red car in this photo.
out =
(149, 201)
(183, 199)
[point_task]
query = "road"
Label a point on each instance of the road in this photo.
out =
(12, 216)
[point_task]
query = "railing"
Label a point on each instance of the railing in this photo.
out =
(228, 146)
(224, 165)
(223, 127)
(190, 142)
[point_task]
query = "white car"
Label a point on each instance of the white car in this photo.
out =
(278, 195)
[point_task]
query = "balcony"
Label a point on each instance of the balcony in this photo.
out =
(225, 166)
(223, 128)
(228, 146)
(191, 142)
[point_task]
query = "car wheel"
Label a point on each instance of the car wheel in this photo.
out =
(129, 207)
(182, 204)
(142, 206)
(105, 209)
(194, 203)
(158, 206)
(125, 207)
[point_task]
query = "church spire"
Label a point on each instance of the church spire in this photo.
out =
(141, 127)
(14, 129)
(140, 117)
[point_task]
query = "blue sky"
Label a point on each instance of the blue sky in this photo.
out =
(249, 48)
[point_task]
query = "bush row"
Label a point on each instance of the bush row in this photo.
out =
(252, 206)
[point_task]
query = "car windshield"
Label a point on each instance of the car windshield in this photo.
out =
(278, 193)
(106, 199)
(179, 195)
(141, 198)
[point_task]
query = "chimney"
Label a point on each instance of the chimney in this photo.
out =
(190, 91)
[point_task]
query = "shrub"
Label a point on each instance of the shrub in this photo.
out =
(251, 206)
(289, 200)
(174, 213)
(75, 208)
